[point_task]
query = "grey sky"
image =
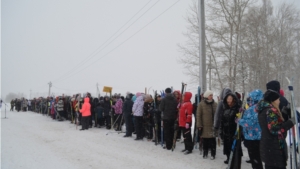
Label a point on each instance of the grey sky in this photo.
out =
(43, 40)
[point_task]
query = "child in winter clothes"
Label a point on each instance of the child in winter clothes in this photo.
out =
(99, 113)
(137, 110)
(252, 130)
(118, 112)
(86, 113)
(185, 122)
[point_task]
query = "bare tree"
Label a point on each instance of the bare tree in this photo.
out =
(248, 42)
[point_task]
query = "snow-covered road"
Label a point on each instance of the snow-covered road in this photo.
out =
(33, 141)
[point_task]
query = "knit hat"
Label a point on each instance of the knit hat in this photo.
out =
(273, 85)
(207, 93)
(147, 96)
(271, 96)
(238, 95)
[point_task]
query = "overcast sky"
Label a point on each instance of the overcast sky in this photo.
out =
(62, 41)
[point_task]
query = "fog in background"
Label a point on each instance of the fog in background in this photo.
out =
(75, 44)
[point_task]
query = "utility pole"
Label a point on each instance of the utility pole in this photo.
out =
(50, 85)
(98, 92)
(210, 67)
(30, 94)
(202, 52)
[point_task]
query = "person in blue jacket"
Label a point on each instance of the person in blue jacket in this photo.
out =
(252, 130)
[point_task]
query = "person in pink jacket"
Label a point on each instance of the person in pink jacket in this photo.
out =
(86, 113)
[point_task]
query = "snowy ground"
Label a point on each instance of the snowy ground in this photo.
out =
(32, 141)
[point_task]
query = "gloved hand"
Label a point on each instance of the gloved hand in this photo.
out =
(286, 112)
(216, 132)
(187, 125)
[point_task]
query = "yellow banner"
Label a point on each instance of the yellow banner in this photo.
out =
(107, 89)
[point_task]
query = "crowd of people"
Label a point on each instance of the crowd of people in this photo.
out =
(263, 126)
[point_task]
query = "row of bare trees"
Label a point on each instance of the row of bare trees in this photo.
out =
(248, 43)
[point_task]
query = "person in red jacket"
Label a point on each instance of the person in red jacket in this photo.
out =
(185, 122)
(86, 113)
(177, 95)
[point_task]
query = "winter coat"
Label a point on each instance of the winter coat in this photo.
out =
(228, 125)
(118, 106)
(147, 108)
(133, 98)
(138, 106)
(86, 107)
(168, 106)
(107, 107)
(60, 105)
(219, 112)
(205, 118)
(24, 103)
(179, 95)
(18, 103)
(127, 107)
(92, 108)
(249, 121)
(99, 111)
(186, 110)
(52, 108)
(75, 106)
(273, 147)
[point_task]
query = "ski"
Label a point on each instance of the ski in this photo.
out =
(238, 132)
(295, 129)
(162, 130)
(291, 147)
(78, 109)
(176, 121)
(294, 148)
(196, 131)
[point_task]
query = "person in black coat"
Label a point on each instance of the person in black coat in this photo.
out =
(157, 118)
(273, 147)
(95, 108)
(107, 108)
(275, 86)
(168, 107)
(127, 110)
(228, 126)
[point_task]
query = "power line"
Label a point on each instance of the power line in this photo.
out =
(95, 51)
(124, 41)
(69, 89)
(77, 90)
